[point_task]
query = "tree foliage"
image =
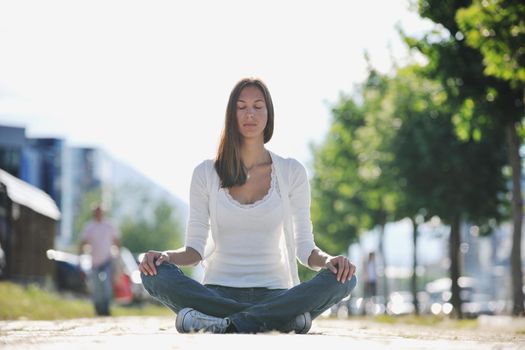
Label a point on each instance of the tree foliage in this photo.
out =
(352, 185)
(162, 231)
(481, 105)
(393, 152)
(446, 175)
(497, 29)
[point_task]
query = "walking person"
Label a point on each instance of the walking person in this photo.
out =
(249, 222)
(370, 277)
(100, 235)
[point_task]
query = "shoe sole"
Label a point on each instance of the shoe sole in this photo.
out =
(307, 324)
(179, 321)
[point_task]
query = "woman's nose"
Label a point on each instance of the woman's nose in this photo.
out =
(250, 111)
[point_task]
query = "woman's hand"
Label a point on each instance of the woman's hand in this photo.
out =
(341, 266)
(152, 259)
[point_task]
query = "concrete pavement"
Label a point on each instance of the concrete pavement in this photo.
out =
(120, 333)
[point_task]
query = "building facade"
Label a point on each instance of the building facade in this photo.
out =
(74, 176)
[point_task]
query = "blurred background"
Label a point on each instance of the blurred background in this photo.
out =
(407, 114)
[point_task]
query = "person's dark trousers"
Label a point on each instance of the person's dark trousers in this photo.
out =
(102, 288)
(251, 310)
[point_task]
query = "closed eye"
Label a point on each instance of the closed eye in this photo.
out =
(244, 107)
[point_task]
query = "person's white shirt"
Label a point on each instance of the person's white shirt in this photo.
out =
(296, 241)
(247, 250)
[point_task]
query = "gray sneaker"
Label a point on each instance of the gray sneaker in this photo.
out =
(300, 324)
(190, 320)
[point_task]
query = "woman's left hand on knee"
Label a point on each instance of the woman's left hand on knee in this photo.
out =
(342, 267)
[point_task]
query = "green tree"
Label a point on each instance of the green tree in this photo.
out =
(353, 190)
(162, 231)
(477, 102)
(402, 101)
(454, 179)
(334, 195)
(378, 178)
(497, 29)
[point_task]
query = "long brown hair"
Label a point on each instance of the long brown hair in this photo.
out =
(228, 161)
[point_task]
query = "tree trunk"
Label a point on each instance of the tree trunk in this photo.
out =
(517, 217)
(454, 242)
(382, 225)
(414, 268)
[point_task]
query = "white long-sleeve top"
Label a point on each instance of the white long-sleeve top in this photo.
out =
(247, 250)
(294, 188)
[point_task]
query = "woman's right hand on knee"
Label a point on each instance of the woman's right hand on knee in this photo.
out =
(151, 260)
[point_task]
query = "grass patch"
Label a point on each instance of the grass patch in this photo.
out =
(385, 319)
(427, 320)
(409, 319)
(465, 323)
(144, 310)
(34, 303)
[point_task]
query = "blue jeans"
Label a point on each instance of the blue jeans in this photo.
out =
(101, 277)
(251, 310)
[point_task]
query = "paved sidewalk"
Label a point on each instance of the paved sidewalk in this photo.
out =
(122, 333)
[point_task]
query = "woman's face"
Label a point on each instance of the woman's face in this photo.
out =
(252, 114)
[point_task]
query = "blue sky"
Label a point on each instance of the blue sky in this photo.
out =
(148, 81)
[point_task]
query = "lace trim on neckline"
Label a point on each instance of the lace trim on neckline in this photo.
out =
(257, 202)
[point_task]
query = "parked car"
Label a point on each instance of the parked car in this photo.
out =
(3, 262)
(71, 271)
(482, 304)
(127, 284)
(400, 303)
(474, 303)
(355, 305)
(72, 274)
(375, 305)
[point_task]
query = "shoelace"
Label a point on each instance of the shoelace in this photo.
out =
(214, 323)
